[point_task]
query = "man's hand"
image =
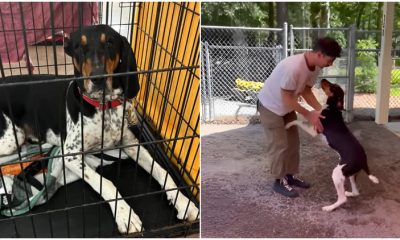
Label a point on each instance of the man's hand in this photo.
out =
(290, 100)
(314, 118)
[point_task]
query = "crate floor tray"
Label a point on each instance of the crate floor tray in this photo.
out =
(71, 219)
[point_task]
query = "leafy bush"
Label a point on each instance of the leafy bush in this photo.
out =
(395, 76)
(248, 85)
(366, 70)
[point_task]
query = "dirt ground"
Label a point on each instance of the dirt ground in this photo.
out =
(237, 199)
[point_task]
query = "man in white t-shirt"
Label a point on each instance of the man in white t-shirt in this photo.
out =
(278, 103)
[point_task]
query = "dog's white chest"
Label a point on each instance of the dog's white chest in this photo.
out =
(112, 126)
(99, 129)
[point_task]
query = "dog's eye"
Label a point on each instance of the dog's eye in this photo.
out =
(109, 43)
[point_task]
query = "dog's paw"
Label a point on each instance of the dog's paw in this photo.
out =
(329, 208)
(191, 214)
(314, 133)
(351, 194)
(332, 207)
(127, 223)
(373, 179)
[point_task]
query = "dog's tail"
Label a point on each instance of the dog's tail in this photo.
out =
(373, 179)
(306, 127)
(292, 123)
(370, 176)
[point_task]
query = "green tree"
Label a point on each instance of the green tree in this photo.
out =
(236, 14)
(365, 15)
(366, 69)
(281, 14)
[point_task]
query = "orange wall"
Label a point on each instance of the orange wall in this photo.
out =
(175, 93)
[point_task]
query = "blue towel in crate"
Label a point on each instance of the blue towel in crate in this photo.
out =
(38, 182)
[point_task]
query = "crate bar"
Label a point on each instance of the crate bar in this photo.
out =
(151, 61)
(44, 37)
(25, 40)
(155, 76)
(15, 38)
(183, 14)
(173, 61)
(162, 112)
(53, 34)
(8, 54)
(101, 157)
(194, 60)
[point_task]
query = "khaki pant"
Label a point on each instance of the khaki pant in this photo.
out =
(283, 146)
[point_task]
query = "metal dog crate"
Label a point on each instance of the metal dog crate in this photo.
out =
(165, 39)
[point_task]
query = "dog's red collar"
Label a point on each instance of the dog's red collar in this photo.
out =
(98, 104)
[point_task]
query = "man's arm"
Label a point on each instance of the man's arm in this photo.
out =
(310, 98)
(290, 100)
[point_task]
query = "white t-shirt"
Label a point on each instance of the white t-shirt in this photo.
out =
(291, 73)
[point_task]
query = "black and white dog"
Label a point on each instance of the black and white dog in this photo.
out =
(352, 155)
(54, 113)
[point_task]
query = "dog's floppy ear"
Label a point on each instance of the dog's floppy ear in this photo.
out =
(339, 105)
(68, 45)
(326, 87)
(130, 83)
(340, 98)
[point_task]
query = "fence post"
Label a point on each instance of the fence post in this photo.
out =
(285, 40)
(351, 70)
(209, 84)
(385, 65)
(203, 85)
(291, 40)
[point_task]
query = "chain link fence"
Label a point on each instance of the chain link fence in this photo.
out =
(366, 74)
(236, 61)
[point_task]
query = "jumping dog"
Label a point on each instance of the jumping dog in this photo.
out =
(352, 155)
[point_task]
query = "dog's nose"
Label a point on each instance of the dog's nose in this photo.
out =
(96, 71)
(98, 82)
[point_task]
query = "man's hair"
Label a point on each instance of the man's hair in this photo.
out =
(327, 46)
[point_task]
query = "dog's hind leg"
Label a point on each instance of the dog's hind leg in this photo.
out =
(186, 208)
(354, 190)
(8, 142)
(338, 181)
